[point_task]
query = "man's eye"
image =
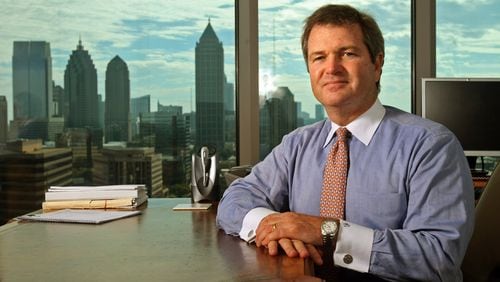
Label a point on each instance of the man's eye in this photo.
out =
(349, 54)
(318, 58)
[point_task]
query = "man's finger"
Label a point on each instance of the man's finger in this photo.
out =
(314, 254)
(288, 247)
(301, 248)
(272, 248)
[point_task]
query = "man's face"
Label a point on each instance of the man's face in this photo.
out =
(343, 77)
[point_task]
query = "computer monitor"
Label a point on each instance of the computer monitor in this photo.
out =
(469, 107)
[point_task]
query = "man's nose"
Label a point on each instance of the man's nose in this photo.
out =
(334, 64)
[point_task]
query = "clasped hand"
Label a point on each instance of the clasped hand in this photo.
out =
(297, 234)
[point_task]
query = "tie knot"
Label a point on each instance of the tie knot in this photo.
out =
(342, 133)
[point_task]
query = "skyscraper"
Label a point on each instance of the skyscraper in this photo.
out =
(229, 105)
(56, 124)
(117, 109)
(59, 101)
(170, 131)
(278, 117)
(32, 87)
(80, 88)
(101, 105)
(209, 65)
(3, 119)
(138, 106)
(229, 112)
(320, 112)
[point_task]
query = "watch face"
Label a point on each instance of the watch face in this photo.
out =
(329, 227)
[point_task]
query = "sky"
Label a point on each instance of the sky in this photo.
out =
(157, 40)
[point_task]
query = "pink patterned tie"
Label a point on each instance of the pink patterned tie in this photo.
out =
(335, 177)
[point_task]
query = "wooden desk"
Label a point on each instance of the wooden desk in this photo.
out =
(158, 245)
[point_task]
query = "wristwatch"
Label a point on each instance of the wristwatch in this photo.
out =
(329, 230)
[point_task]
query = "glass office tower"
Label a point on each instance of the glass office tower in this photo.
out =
(32, 88)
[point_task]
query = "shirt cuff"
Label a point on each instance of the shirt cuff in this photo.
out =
(354, 247)
(251, 222)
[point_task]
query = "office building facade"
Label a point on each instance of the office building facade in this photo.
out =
(167, 128)
(118, 165)
(80, 141)
(26, 171)
(117, 102)
(138, 106)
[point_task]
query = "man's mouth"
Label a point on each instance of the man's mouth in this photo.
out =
(335, 84)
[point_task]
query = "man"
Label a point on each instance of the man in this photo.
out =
(408, 212)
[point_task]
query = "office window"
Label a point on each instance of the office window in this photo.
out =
(133, 88)
(286, 100)
(467, 36)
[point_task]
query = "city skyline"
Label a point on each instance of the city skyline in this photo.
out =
(158, 46)
(157, 41)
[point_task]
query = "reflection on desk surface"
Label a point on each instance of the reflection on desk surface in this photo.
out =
(158, 245)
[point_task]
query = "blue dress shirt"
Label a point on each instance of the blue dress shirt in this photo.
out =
(408, 180)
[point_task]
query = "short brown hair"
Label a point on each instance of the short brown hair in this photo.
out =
(346, 15)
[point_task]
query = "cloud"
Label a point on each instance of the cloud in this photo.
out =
(467, 3)
(467, 50)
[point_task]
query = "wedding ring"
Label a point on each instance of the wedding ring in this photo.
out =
(274, 227)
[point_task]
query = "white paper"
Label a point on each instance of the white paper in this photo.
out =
(190, 207)
(79, 216)
(97, 188)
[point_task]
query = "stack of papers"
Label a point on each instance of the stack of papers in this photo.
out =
(95, 197)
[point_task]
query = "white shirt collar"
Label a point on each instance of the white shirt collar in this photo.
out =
(364, 126)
